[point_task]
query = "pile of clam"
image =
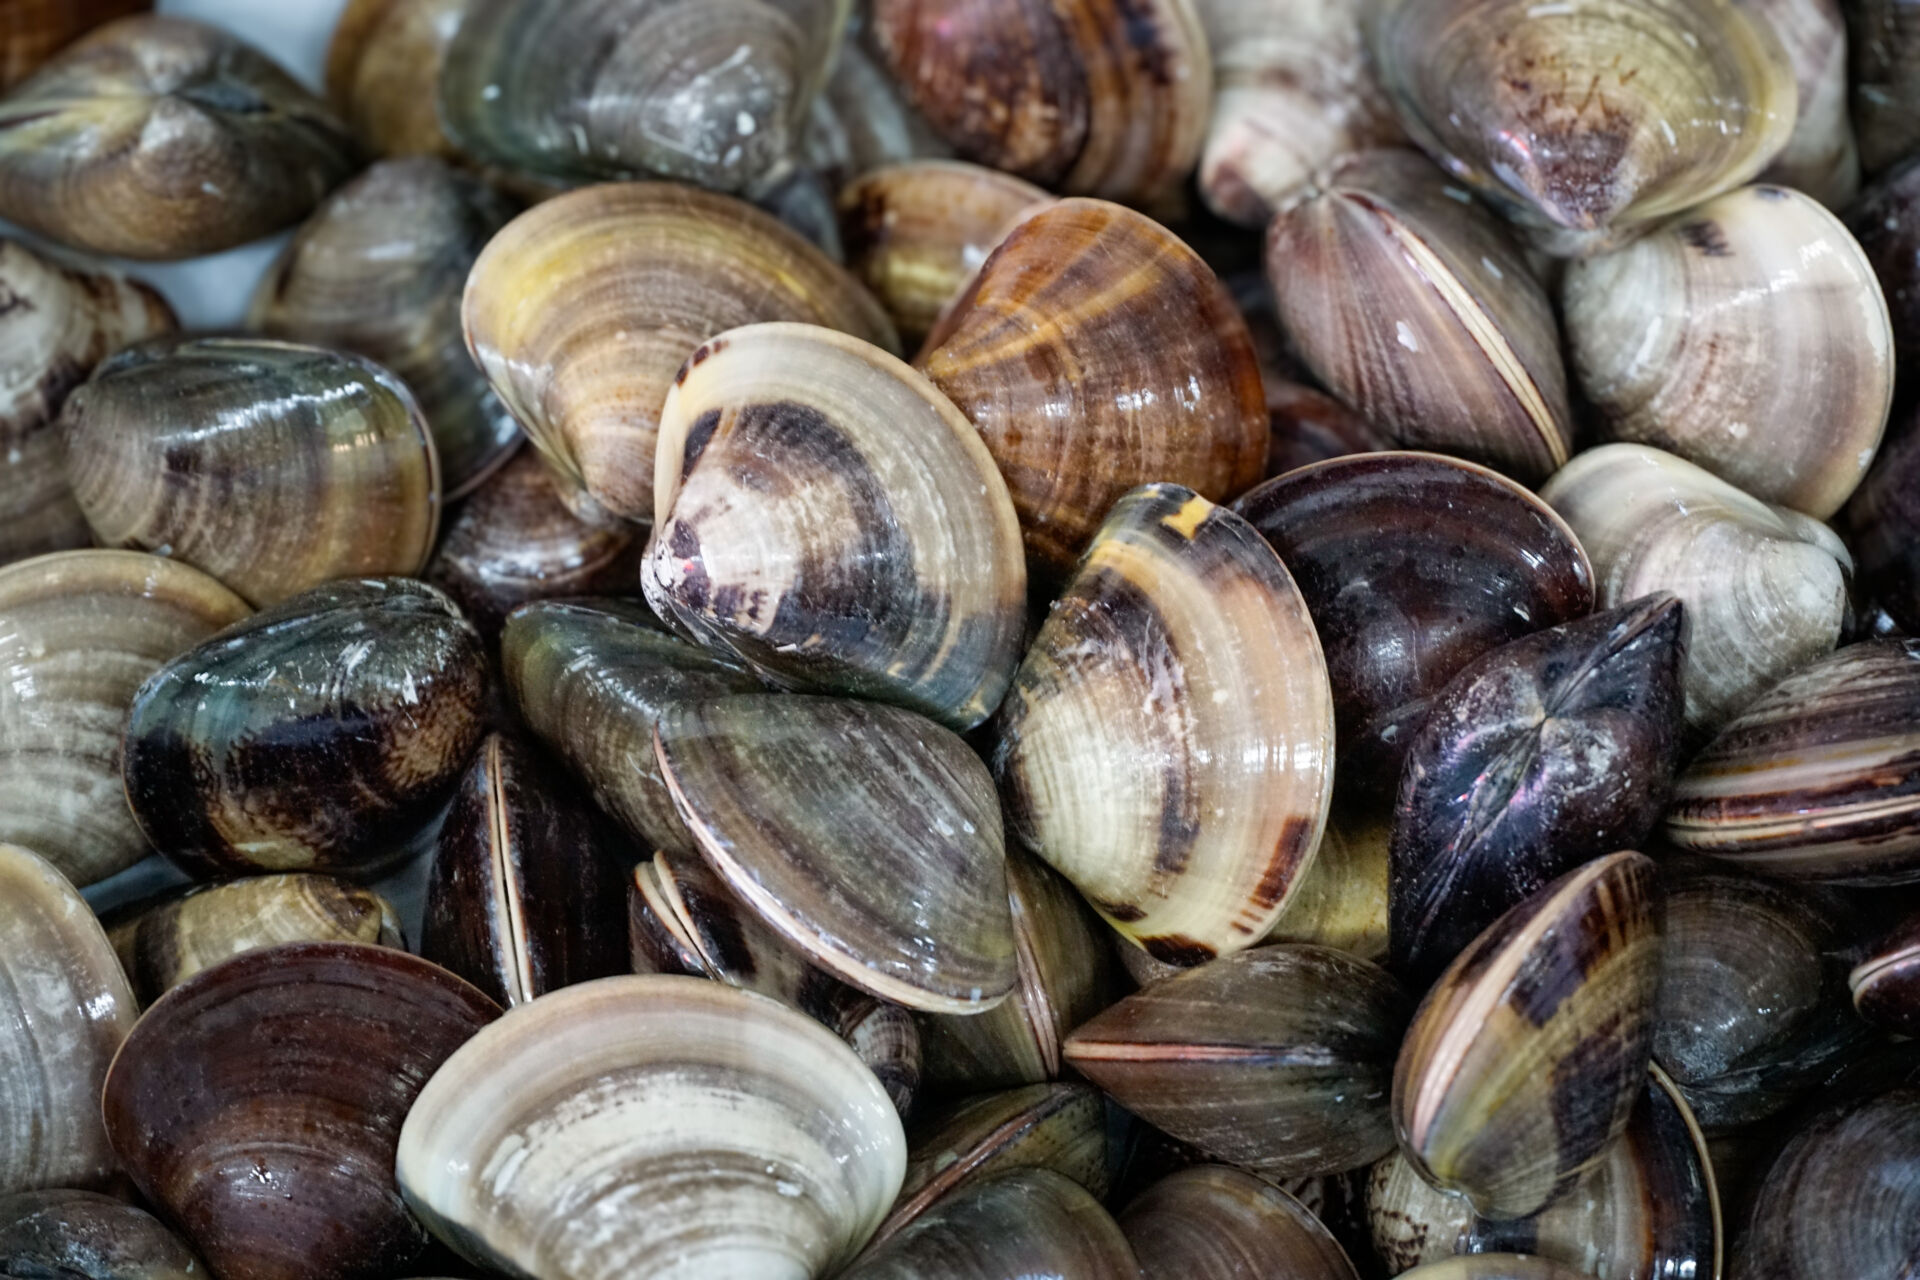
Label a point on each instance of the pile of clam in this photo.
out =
(785, 648)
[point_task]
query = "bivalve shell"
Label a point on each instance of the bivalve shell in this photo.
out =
(1821, 158)
(1886, 221)
(81, 1235)
(1032, 1222)
(1886, 985)
(381, 53)
(1211, 1222)
(36, 29)
(1883, 40)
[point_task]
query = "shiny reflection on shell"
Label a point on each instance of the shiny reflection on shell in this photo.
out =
(381, 53)
(81, 1235)
(1886, 984)
(1212, 1222)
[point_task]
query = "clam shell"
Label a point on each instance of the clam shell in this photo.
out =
(1413, 565)
(80, 1235)
(82, 630)
(1095, 352)
(1342, 901)
(1748, 336)
(1495, 1266)
(274, 467)
(825, 514)
(64, 1009)
(259, 1104)
(1311, 426)
(1883, 522)
(1029, 1223)
(36, 29)
(1216, 1223)
(1883, 40)
(56, 324)
(653, 1127)
(1886, 984)
(1886, 221)
(656, 942)
(1523, 1063)
(323, 734)
(379, 270)
(582, 311)
(861, 120)
(868, 837)
(1765, 589)
(1820, 157)
(1416, 310)
(1274, 1059)
(156, 137)
(381, 53)
(1546, 753)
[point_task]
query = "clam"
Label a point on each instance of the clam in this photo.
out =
(1168, 743)
(1886, 984)
(259, 1104)
(710, 92)
(64, 1009)
(1883, 41)
(1765, 589)
(1275, 1059)
(381, 53)
(162, 944)
(1884, 523)
(1106, 98)
(1816, 779)
(1886, 221)
(583, 310)
(82, 630)
(1095, 352)
(653, 1127)
(157, 137)
(861, 120)
(56, 324)
(867, 836)
(1748, 336)
(81, 1235)
(1342, 902)
(916, 232)
(379, 270)
(1413, 565)
(1820, 157)
(1496, 1266)
(274, 467)
(1211, 1222)
(1311, 426)
(1546, 753)
(1414, 307)
(822, 512)
(526, 894)
(1032, 1222)
(1591, 120)
(592, 679)
(36, 29)
(324, 734)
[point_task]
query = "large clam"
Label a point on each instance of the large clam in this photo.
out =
(1032, 1222)
(82, 1235)
(1212, 1222)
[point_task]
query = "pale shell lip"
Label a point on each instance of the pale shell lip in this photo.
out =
(1870, 971)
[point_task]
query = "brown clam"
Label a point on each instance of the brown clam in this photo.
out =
(381, 54)
(1883, 41)
(1886, 222)
(1884, 521)
(861, 120)
(1275, 1059)
(1821, 157)
(81, 1235)
(1032, 1222)
(584, 308)
(36, 29)
(1211, 1222)
(156, 137)
(1886, 985)
(1311, 426)
(1095, 352)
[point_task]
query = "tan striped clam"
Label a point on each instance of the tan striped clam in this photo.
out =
(1212, 1222)
(381, 53)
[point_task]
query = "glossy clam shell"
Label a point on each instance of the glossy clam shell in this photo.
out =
(1309, 426)
(36, 29)
(1168, 743)
(1594, 118)
(1416, 309)
(81, 1235)
(259, 1104)
(1095, 352)
(163, 945)
(64, 1009)
(381, 54)
(156, 137)
(1413, 565)
(1524, 1060)
(825, 514)
(1029, 1223)
(1546, 753)
(583, 310)
(868, 837)
(1211, 1222)
(1748, 336)
(1821, 157)
(1765, 589)
(379, 270)
(82, 630)
(1883, 41)
(1886, 984)
(1274, 1059)
(1342, 901)
(323, 734)
(274, 467)
(56, 325)
(1886, 221)
(653, 1127)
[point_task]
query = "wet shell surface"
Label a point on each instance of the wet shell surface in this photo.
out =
(1495, 1266)
(1883, 523)
(1212, 1222)
(1821, 158)
(1886, 221)
(82, 1235)
(381, 53)
(1032, 1222)
(1886, 985)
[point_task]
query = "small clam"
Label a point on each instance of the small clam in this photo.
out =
(1211, 1222)
(64, 1009)
(823, 513)
(1095, 352)
(156, 137)
(323, 734)
(862, 121)
(259, 1104)
(1524, 1061)
(1028, 1223)
(1413, 565)
(1883, 41)
(868, 837)
(656, 1127)
(1546, 753)
(1748, 336)
(36, 29)
(82, 630)
(379, 270)
(163, 944)
(381, 54)
(56, 324)
(1311, 426)
(583, 310)
(1765, 589)
(273, 467)
(1275, 1059)
(81, 1235)
(1886, 220)
(1168, 743)
(1886, 984)
(1821, 157)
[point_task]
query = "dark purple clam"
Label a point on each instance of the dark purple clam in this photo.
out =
(1886, 985)
(1883, 521)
